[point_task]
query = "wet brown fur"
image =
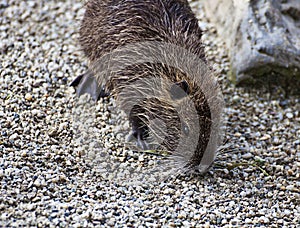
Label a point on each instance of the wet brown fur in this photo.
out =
(109, 24)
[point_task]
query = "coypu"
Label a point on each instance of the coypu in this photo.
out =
(163, 120)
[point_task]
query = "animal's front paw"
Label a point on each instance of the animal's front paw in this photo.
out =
(138, 136)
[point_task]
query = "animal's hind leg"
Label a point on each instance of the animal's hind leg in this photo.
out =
(87, 83)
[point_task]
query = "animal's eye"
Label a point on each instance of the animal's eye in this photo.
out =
(185, 129)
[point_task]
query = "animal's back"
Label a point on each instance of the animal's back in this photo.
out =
(109, 24)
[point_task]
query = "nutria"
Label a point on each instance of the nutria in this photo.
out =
(163, 120)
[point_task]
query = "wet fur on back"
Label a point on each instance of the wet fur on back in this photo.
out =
(109, 24)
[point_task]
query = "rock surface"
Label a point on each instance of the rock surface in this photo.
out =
(263, 39)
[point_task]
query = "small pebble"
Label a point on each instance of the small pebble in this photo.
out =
(247, 156)
(289, 115)
(28, 96)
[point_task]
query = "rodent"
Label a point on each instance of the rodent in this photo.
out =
(111, 24)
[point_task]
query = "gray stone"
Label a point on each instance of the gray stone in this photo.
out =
(263, 39)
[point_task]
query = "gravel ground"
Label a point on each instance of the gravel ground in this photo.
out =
(49, 178)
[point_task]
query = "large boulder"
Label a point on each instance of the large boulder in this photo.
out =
(263, 39)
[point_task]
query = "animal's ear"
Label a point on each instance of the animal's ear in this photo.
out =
(179, 90)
